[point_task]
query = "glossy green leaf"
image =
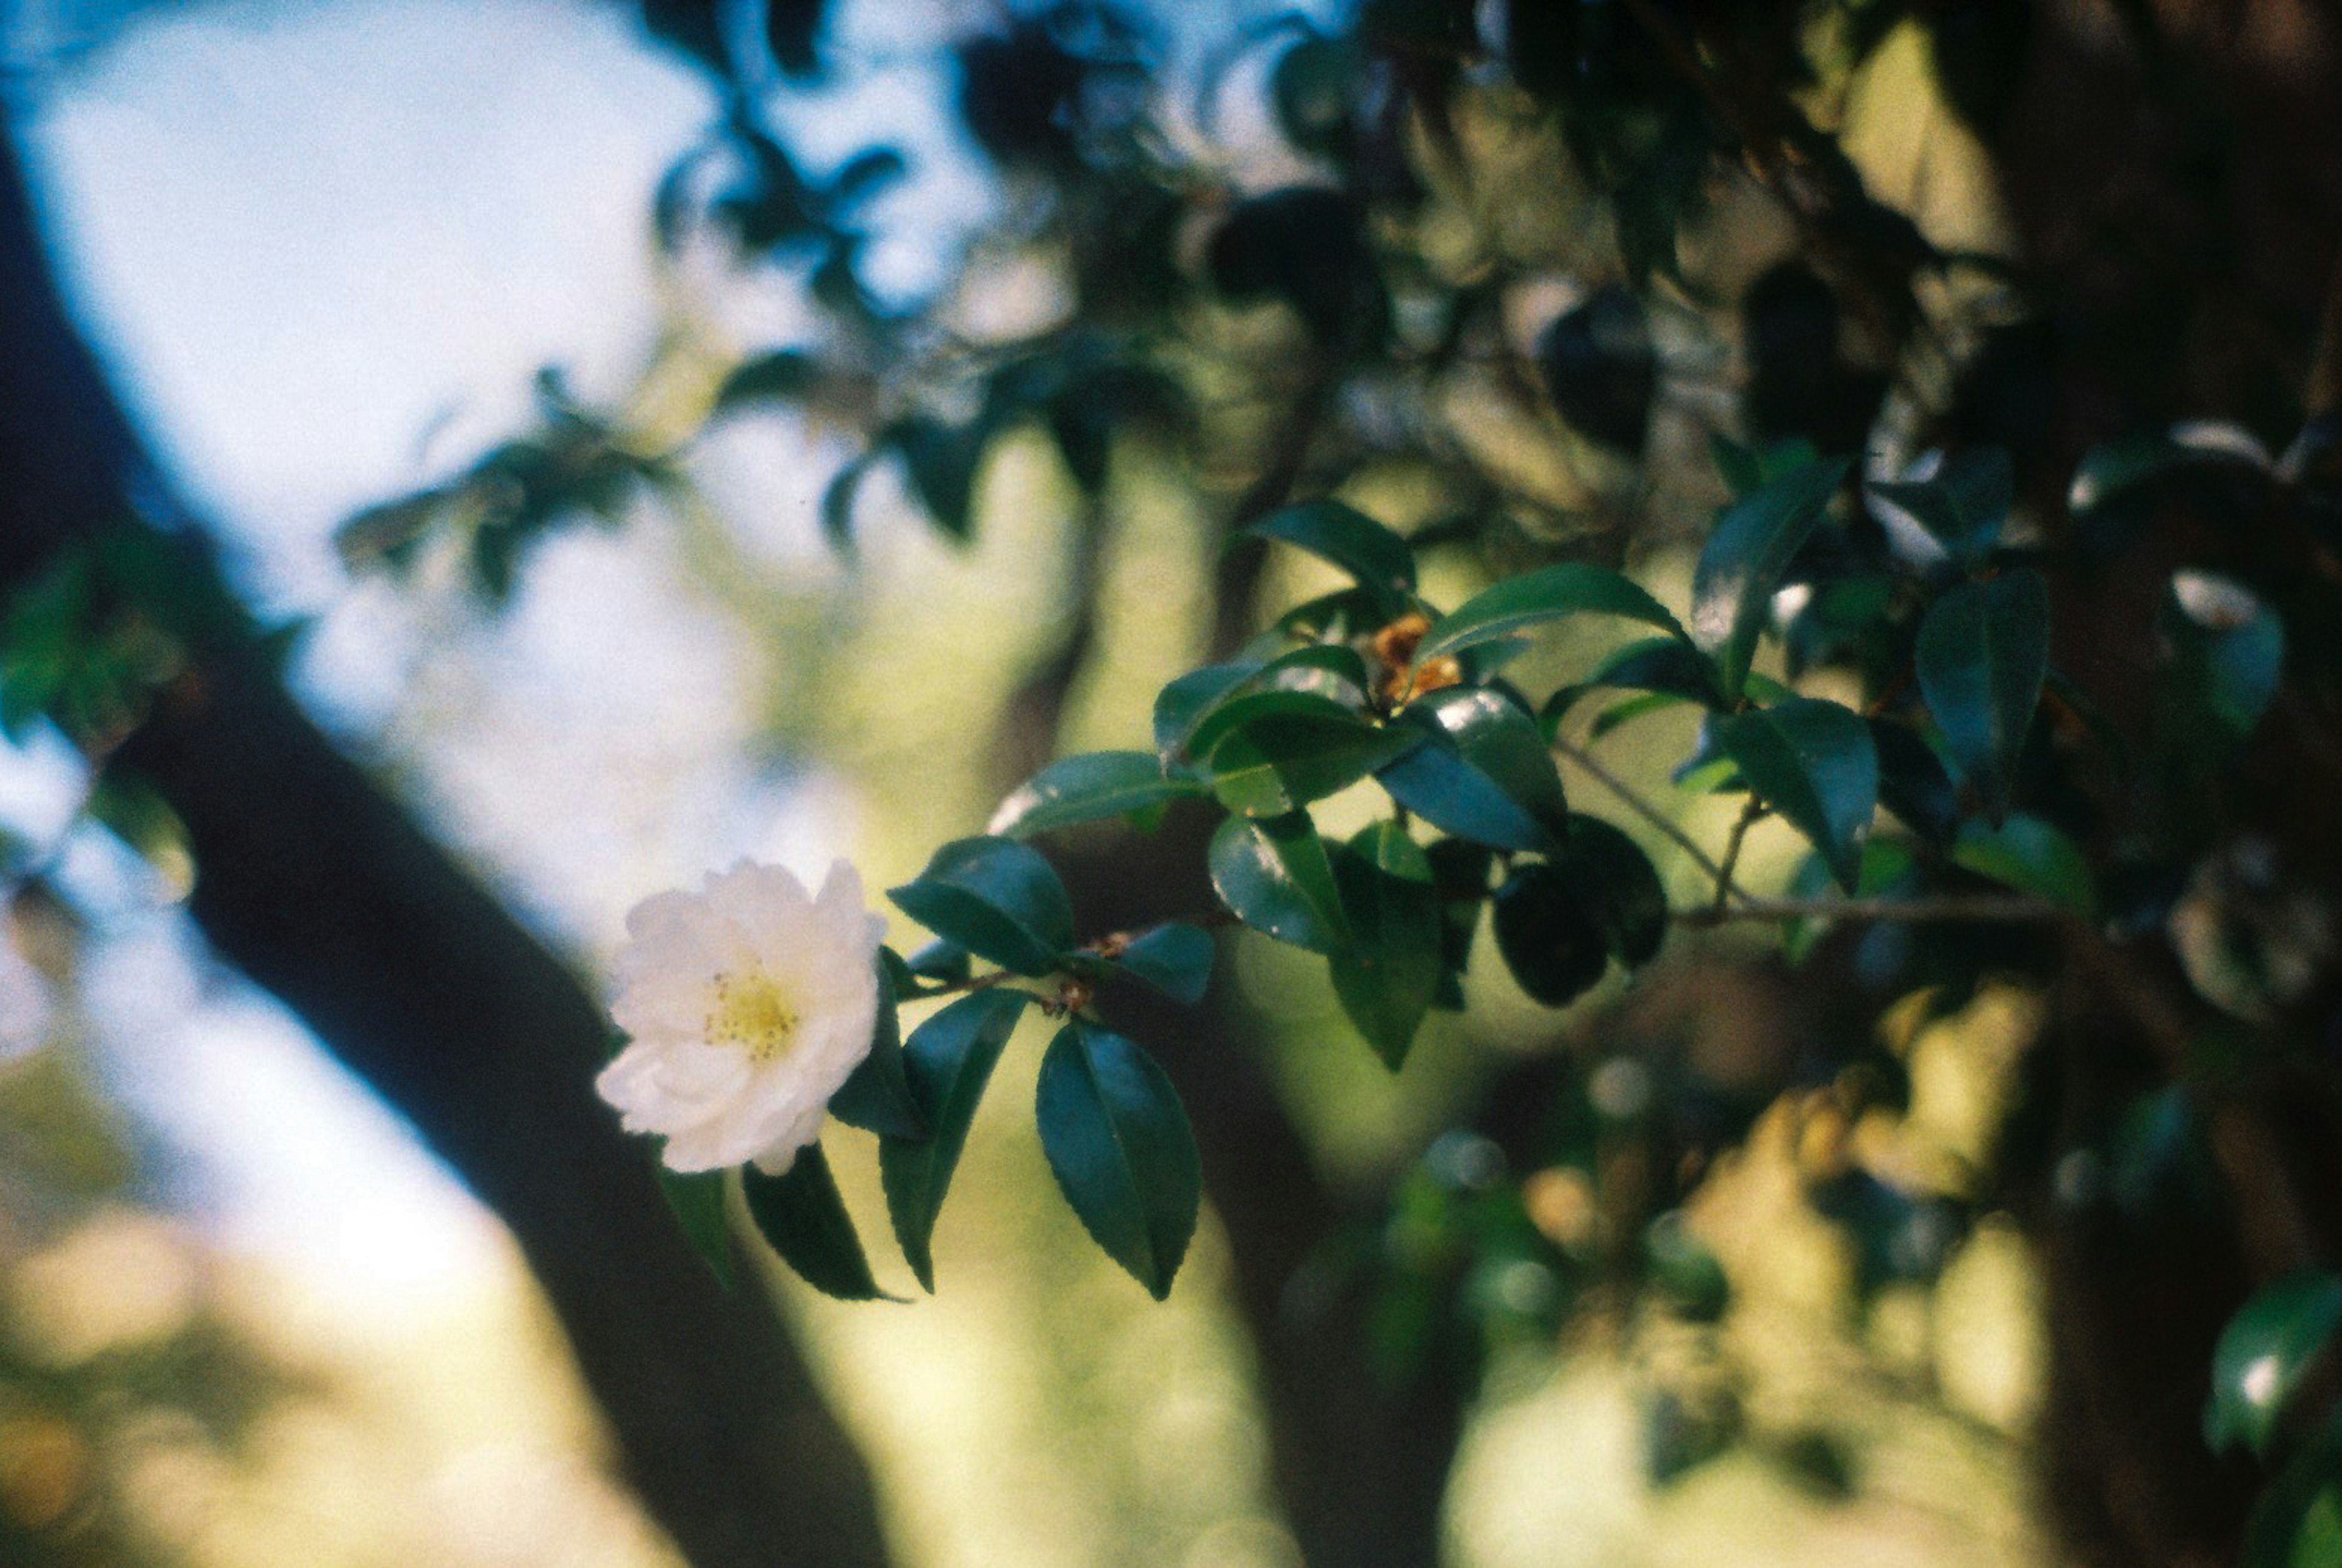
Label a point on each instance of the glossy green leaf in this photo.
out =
(950, 1058)
(1813, 762)
(876, 1095)
(1245, 706)
(1090, 787)
(801, 1216)
(1742, 565)
(2264, 1353)
(1175, 959)
(1485, 773)
(1380, 559)
(1958, 514)
(696, 1201)
(1275, 873)
(1537, 598)
(1550, 932)
(996, 897)
(2031, 856)
(1981, 653)
(1386, 975)
(2115, 467)
(1119, 1144)
(1278, 757)
(1185, 701)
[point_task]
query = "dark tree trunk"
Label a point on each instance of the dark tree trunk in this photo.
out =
(319, 887)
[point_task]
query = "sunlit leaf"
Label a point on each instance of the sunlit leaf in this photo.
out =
(2263, 1354)
(1380, 559)
(1539, 598)
(1090, 787)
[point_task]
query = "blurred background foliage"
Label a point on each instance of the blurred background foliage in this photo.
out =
(647, 435)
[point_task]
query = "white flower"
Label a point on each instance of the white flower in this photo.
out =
(748, 1003)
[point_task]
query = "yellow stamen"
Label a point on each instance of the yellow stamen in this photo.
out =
(752, 1013)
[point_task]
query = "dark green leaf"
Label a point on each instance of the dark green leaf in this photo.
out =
(2031, 856)
(1386, 976)
(697, 1201)
(1486, 775)
(1550, 932)
(1274, 874)
(1090, 787)
(1273, 755)
(1175, 959)
(1119, 1144)
(1628, 709)
(2114, 467)
(1623, 888)
(801, 1217)
(1743, 563)
(781, 377)
(838, 505)
(941, 961)
(1380, 559)
(1537, 598)
(941, 463)
(2263, 1353)
(996, 897)
(1459, 873)
(950, 1058)
(1183, 703)
(2227, 655)
(1982, 653)
(876, 1095)
(2298, 1522)
(1912, 781)
(1813, 762)
(1959, 513)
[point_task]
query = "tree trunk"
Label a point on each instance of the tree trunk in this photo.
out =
(320, 887)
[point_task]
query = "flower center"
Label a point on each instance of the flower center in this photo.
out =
(753, 1012)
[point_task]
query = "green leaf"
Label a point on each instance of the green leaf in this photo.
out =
(1888, 869)
(1628, 901)
(1119, 1144)
(1628, 709)
(2263, 1354)
(1550, 932)
(1486, 775)
(1274, 873)
(1385, 977)
(697, 1202)
(941, 462)
(801, 1217)
(1913, 782)
(2297, 1522)
(1982, 653)
(1750, 547)
(2031, 856)
(1537, 598)
(876, 1095)
(1380, 559)
(996, 897)
(838, 505)
(1090, 787)
(1175, 959)
(950, 1058)
(1183, 703)
(783, 376)
(1459, 874)
(1281, 750)
(2114, 467)
(2227, 655)
(1959, 513)
(1813, 762)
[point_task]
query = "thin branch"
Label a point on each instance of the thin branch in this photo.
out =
(1750, 810)
(1948, 908)
(1635, 801)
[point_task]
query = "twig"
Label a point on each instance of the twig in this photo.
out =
(1635, 801)
(1948, 908)
(1750, 810)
